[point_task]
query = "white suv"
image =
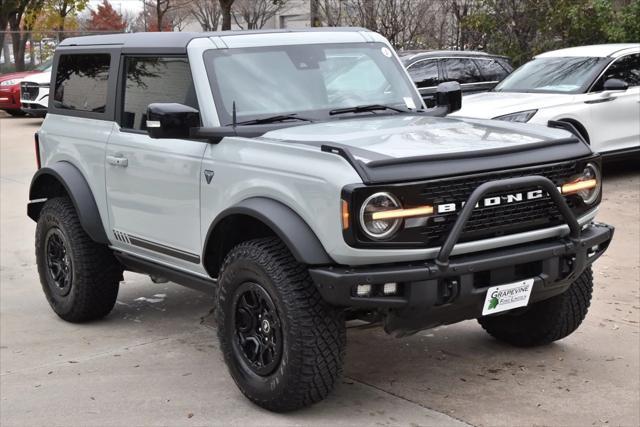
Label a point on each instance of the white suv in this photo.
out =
(595, 88)
(34, 93)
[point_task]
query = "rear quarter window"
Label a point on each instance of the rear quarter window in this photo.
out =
(491, 69)
(81, 82)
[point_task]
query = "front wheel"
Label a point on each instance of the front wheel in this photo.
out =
(545, 321)
(283, 345)
(16, 113)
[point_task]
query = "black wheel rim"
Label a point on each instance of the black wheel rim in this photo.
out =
(258, 330)
(58, 261)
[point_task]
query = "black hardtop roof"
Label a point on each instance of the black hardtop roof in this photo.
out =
(418, 54)
(175, 40)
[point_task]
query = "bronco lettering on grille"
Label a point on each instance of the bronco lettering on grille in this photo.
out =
(504, 199)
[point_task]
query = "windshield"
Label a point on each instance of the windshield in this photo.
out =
(553, 75)
(307, 80)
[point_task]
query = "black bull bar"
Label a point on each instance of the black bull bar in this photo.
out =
(442, 260)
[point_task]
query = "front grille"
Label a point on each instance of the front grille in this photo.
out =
(29, 91)
(485, 222)
(495, 220)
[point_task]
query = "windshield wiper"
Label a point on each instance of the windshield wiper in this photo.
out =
(364, 109)
(274, 119)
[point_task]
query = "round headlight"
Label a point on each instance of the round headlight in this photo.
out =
(590, 195)
(379, 228)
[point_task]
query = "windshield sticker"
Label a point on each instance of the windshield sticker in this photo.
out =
(408, 101)
(386, 52)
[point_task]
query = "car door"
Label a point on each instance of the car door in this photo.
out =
(426, 77)
(153, 185)
(615, 115)
(463, 71)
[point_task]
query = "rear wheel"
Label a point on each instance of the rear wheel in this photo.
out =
(282, 343)
(79, 277)
(545, 321)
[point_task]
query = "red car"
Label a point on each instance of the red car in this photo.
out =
(10, 89)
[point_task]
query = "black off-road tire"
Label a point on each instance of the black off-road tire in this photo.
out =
(545, 321)
(95, 274)
(313, 333)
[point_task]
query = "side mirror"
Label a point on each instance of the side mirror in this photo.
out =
(615, 84)
(170, 120)
(449, 96)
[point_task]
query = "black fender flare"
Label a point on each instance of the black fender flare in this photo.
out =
(284, 222)
(77, 187)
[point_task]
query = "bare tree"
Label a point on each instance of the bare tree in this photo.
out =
(225, 6)
(21, 18)
(331, 12)
(314, 18)
(405, 23)
(459, 11)
(161, 8)
(254, 14)
(164, 15)
(207, 13)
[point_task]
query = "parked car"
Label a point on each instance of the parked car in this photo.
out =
(10, 89)
(298, 177)
(34, 93)
(595, 88)
(475, 71)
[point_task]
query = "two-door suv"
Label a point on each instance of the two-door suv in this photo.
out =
(298, 175)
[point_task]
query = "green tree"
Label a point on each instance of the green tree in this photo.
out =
(626, 27)
(521, 29)
(59, 15)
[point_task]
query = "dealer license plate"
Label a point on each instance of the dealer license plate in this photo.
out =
(507, 297)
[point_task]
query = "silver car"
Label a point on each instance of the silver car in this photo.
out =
(299, 177)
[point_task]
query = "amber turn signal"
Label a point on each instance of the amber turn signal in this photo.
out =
(345, 215)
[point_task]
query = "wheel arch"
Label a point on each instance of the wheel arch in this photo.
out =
(261, 217)
(64, 179)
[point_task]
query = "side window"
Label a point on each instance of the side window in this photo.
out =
(491, 70)
(154, 79)
(505, 64)
(424, 73)
(461, 70)
(81, 82)
(626, 69)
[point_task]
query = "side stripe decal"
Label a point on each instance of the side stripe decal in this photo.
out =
(156, 247)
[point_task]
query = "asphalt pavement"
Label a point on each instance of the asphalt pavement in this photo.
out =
(155, 359)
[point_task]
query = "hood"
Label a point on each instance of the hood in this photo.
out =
(401, 136)
(16, 75)
(402, 147)
(43, 77)
(488, 105)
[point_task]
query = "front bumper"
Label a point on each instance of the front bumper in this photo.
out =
(450, 289)
(34, 109)
(429, 296)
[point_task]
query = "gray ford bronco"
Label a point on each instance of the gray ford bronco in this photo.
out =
(298, 176)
